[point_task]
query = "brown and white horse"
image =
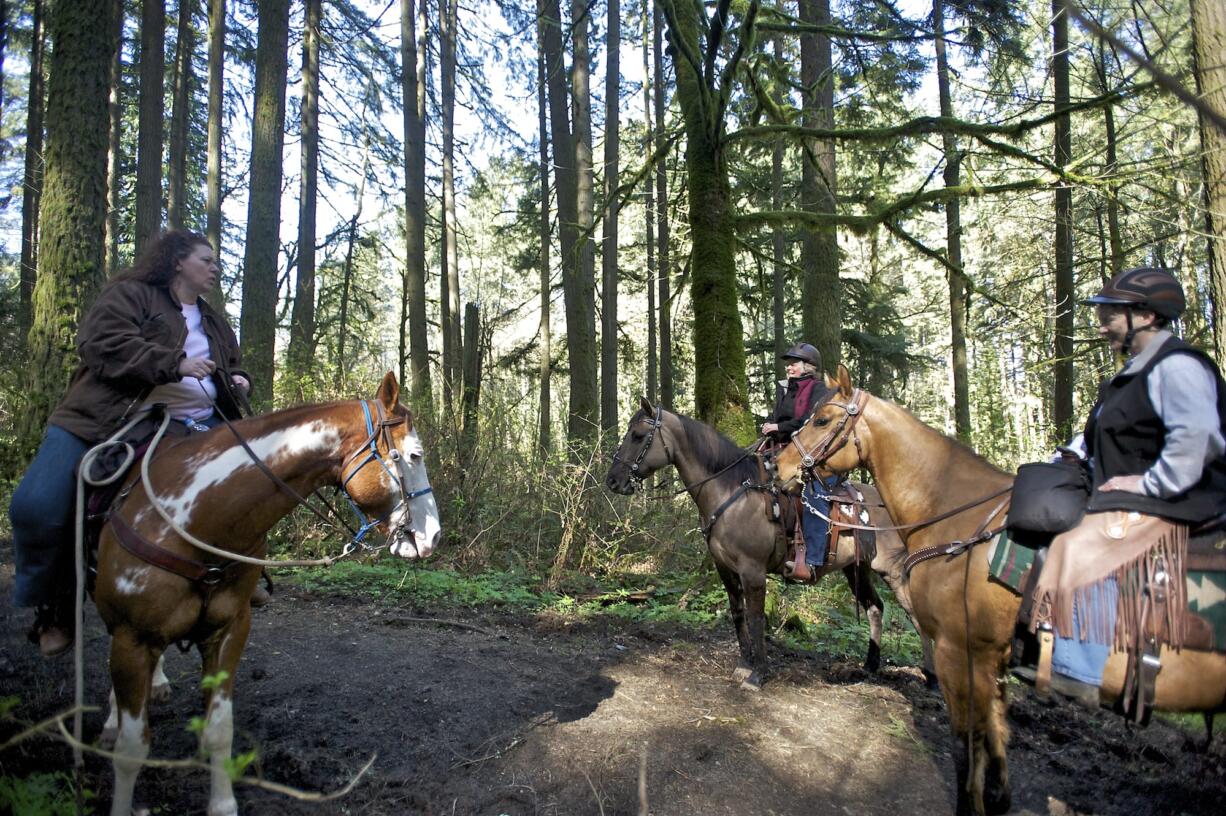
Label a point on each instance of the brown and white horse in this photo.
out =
(212, 489)
(924, 475)
(742, 540)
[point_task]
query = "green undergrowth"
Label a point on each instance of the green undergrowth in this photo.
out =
(821, 618)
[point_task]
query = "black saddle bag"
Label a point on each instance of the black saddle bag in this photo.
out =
(1049, 497)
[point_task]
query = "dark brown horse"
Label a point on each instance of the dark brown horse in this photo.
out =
(744, 543)
(924, 475)
(155, 588)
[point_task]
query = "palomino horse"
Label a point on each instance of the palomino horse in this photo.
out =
(154, 588)
(743, 541)
(951, 499)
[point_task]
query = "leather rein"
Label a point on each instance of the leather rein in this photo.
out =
(838, 437)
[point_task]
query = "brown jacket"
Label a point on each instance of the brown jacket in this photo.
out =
(130, 341)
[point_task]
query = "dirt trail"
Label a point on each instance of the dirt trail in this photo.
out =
(518, 714)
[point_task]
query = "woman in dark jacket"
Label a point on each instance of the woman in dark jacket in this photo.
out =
(796, 397)
(150, 337)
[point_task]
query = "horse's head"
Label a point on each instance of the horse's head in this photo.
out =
(642, 450)
(828, 442)
(386, 478)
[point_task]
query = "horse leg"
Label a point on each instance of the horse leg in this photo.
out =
(978, 723)
(754, 586)
(736, 606)
(131, 671)
(159, 693)
(866, 595)
(221, 653)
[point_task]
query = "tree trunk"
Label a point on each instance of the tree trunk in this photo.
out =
(73, 205)
(343, 365)
(413, 89)
(302, 322)
(259, 310)
(1062, 380)
(472, 379)
(544, 439)
(114, 158)
(608, 255)
(649, 200)
(449, 300)
(149, 142)
(584, 390)
(1209, 35)
(953, 238)
(217, 61)
(1111, 167)
(179, 116)
(663, 255)
(821, 292)
(779, 270)
(33, 174)
(719, 350)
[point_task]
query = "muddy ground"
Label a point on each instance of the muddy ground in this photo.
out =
(493, 712)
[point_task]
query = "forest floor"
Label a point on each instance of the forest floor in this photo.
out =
(503, 712)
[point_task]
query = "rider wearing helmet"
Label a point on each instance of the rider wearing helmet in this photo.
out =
(1154, 443)
(795, 399)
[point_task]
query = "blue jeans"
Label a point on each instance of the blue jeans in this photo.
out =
(816, 529)
(42, 514)
(1085, 660)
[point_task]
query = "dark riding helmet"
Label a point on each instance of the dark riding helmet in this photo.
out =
(1146, 287)
(805, 353)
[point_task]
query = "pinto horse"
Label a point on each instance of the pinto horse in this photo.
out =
(951, 499)
(743, 541)
(154, 588)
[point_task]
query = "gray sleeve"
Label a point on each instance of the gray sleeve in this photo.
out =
(1184, 394)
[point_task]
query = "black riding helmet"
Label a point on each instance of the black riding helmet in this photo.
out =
(1146, 287)
(805, 353)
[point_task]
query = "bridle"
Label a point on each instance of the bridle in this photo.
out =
(845, 430)
(379, 428)
(655, 424)
(833, 442)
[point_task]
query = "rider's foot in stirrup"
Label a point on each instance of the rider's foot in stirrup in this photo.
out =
(798, 571)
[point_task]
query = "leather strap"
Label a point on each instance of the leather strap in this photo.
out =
(1042, 678)
(150, 553)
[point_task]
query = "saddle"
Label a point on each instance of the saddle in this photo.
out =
(100, 499)
(1172, 593)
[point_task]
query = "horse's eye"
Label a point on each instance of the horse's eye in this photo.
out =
(821, 421)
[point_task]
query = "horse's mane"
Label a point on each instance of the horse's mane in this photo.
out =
(714, 451)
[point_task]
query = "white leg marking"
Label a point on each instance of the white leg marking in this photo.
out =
(110, 730)
(218, 737)
(131, 748)
(874, 624)
(160, 690)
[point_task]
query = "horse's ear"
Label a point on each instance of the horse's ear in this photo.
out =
(646, 406)
(844, 381)
(389, 392)
(831, 382)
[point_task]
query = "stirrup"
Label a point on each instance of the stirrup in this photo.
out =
(805, 574)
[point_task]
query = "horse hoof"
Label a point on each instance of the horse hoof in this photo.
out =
(997, 802)
(930, 681)
(873, 662)
(107, 739)
(741, 674)
(160, 694)
(752, 683)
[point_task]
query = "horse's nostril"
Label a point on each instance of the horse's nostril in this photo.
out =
(437, 538)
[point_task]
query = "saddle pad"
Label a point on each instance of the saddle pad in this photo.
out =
(1008, 561)
(1207, 598)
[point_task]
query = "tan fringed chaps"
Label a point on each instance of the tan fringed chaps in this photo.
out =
(1129, 547)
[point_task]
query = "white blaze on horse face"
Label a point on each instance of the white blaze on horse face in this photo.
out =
(206, 471)
(422, 510)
